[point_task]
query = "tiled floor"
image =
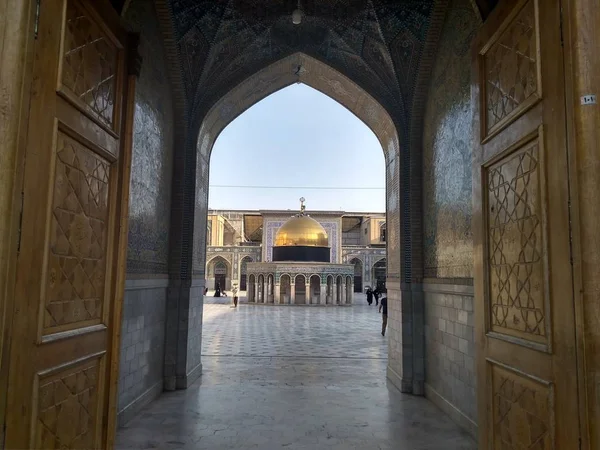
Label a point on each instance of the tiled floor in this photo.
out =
(292, 331)
(292, 378)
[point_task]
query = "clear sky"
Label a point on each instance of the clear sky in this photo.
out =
(297, 137)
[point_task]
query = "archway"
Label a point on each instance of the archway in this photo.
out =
(300, 297)
(219, 274)
(358, 274)
(339, 290)
(379, 274)
(329, 298)
(315, 290)
(285, 289)
(330, 82)
(251, 289)
(270, 288)
(243, 272)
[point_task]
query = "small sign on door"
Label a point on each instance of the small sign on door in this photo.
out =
(588, 99)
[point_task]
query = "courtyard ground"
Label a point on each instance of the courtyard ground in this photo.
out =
(280, 377)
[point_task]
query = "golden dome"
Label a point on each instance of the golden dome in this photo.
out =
(302, 230)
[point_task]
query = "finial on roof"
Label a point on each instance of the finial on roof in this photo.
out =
(302, 207)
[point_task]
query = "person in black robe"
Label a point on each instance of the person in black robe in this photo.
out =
(218, 290)
(369, 296)
(376, 294)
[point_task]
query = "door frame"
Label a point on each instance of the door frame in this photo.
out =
(17, 67)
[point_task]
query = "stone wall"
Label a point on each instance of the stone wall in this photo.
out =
(142, 345)
(450, 375)
(447, 235)
(143, 325)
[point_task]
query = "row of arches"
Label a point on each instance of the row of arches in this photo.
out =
(303, 291)
(378, 274)
(219, 272)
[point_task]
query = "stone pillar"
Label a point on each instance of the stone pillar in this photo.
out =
(323, 295)
(343, 296)
(292, 294)
(256, 294)
(277, 297)
(351, 299)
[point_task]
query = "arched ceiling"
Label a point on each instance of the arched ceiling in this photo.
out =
(375, 43)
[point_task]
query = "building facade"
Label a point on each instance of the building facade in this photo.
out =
(237, 238)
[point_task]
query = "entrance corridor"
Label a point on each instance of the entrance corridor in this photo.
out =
(280, 377)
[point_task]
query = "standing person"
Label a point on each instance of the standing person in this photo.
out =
(218, 290)
(234, 293)
(369, 296)
(384, 315)
(376, 294)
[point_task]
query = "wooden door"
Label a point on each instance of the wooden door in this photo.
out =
(527, 377)
(63, 353)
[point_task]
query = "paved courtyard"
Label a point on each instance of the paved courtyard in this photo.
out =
(292, 378)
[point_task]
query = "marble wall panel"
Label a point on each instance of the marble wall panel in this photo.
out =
(151, 170)
(448, 239)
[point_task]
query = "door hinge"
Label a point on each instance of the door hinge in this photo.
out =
(37, 18)
(20, 224)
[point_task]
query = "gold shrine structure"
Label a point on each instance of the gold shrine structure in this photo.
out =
(301, 271)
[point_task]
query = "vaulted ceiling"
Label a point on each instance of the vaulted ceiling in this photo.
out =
(376, 43)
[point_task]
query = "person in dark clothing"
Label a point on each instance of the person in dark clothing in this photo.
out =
(383, 307)
(369, 296)
(376, 294)
(218, 290)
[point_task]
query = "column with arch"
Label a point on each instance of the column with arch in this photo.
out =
(270, 288)
(260, 297)
(314, 297)
(250, 293)
(300, 292)
(330, 298)
(358, 274)
(244, 272)
(285, 287)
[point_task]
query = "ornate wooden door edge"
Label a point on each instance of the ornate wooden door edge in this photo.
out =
(581, 40)
(134, 61)
(18, 22)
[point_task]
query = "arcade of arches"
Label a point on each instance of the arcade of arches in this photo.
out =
(487, 115)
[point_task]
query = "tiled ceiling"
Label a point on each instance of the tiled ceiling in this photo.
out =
(376, 43)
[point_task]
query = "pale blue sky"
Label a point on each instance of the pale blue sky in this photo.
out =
(297, 137)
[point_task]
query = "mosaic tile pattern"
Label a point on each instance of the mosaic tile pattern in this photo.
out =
(377, 43)
(151, 169)
(448, 240)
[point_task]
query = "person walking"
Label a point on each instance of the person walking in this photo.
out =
(369, 296)
(234, 294)
(376, 293)
(383, 307)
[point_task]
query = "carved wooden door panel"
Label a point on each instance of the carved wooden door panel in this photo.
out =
(61, 356)
(527, 377)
